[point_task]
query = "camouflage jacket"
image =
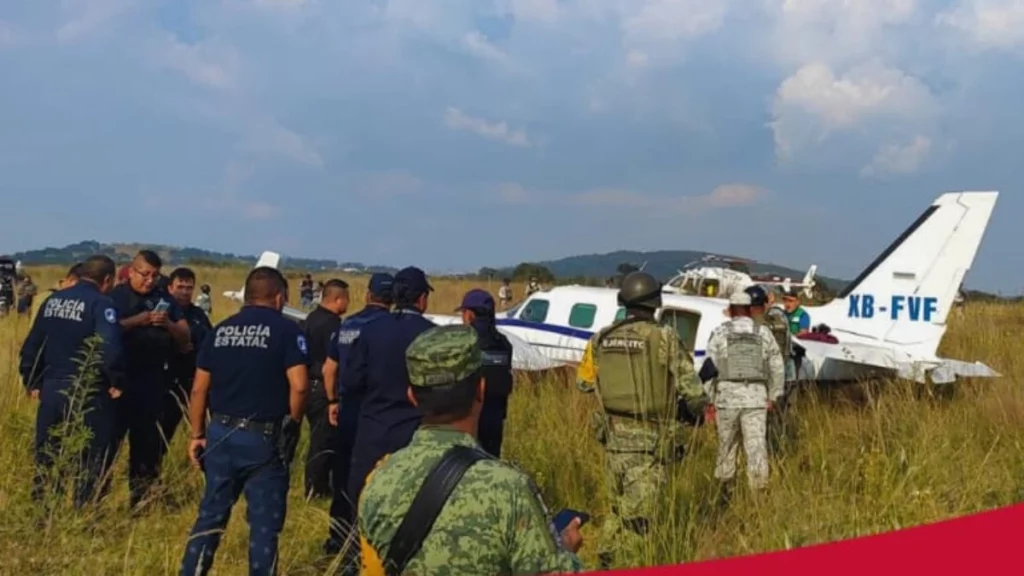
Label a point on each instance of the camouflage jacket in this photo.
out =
(494, 523)
(735, 395)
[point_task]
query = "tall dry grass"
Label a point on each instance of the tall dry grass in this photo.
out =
(863, 460)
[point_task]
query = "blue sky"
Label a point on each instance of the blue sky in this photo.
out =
(459, 133)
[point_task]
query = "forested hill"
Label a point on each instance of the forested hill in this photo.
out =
(171, 255)
(663, 264)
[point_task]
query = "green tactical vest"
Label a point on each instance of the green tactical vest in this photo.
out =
(780, 330)
(631, 381)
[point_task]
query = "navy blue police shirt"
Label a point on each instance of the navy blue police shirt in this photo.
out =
(147, 348)
(183, 364)
(497, 360)
(376, 370)
(345, 336)
(248, 356)
(56, 342)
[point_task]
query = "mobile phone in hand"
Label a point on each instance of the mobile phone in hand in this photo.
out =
(162, 306)
(563, 518)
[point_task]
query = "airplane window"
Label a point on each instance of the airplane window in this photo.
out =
(582, 315)
(621, 314)
(685, 324)
(535, 311)
(511, 312)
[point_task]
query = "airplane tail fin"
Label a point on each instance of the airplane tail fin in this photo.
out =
(808, 282)
(904, 297)
(267, 258)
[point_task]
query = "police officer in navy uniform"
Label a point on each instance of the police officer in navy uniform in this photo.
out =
(50, 369)
(376, 370)
(478, 311)
(251, 373)
(151, 337)
(343, 411)
(319, 327)
(182, 365)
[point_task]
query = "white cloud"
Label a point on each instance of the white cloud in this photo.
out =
(734, 195)
(546, 11)
(673, 20)
(268, 135)
(282, 3)
(390, 184)
(724, 196)
(478, 45)
(637, 59)
(91, 17)
(455, 119)
(656, 28)
(512, 193)
(988, 24)
(206, 63)
(839, 32)
(814, 103)
(7, 35)
(899, 159)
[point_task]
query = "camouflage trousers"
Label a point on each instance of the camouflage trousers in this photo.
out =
(636, 482)
(751, 425)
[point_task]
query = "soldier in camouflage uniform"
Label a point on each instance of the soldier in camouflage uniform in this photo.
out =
(641, 371)
(495, 521)
(750, 380)
(775, 320)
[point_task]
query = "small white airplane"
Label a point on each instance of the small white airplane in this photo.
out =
(888, 322)
(701, 278)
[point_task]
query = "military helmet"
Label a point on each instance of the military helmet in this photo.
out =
(640, 289)
(758, 295)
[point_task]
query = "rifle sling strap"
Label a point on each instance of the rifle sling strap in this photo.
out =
(427, 505)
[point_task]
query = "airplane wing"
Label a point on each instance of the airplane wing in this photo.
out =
(843, 361)
(524, 356)
(294, 314)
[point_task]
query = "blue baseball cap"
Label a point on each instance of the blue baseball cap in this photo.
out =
(413, 279)
(477, 299)
(380, 284)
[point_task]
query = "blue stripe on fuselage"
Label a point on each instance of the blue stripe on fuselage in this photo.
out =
(560, 330)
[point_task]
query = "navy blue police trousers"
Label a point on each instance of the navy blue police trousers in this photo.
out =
(239, 461)
(98, 417)
(343, 509)
(491, 427)
(141, 409)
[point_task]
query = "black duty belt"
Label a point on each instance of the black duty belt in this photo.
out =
(260, 427)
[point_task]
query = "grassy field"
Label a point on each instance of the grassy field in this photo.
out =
(865, 460)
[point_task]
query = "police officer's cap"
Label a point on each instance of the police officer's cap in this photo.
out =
(443, 355)
(413, 279)
(477, 299)
(758, 295)
(381, 283)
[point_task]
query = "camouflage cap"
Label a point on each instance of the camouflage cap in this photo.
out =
(443, 355)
